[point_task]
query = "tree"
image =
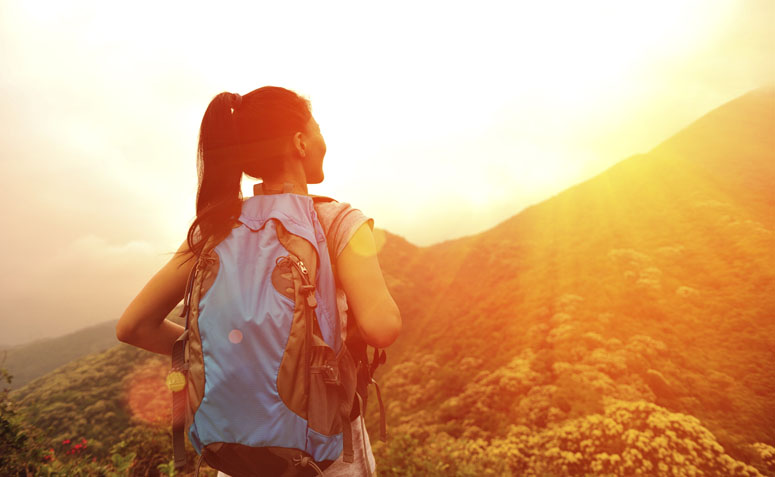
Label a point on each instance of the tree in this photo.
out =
(18, 443)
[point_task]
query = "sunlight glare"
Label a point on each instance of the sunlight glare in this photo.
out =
(147, 394)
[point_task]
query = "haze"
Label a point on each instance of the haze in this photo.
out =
(441, 121)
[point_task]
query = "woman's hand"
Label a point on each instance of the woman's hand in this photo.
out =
(143, 323)
(377, 315)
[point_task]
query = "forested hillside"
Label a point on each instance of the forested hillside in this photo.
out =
(624, 326)
(27, 362)
(627, 324)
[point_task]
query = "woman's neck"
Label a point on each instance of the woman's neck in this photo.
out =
(293, 173)
(277, 185)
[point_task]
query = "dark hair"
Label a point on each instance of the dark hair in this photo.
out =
(240, 134)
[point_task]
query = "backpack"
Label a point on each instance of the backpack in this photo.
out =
(262, 382)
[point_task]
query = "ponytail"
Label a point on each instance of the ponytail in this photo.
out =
(250, 134)
(219, 196)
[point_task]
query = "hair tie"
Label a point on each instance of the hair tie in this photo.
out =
(236, 101)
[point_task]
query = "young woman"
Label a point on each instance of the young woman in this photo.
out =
(269, 134)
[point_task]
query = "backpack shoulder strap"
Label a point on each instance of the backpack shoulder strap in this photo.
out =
(359, 351)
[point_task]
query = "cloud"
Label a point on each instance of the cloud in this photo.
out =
(88, 281)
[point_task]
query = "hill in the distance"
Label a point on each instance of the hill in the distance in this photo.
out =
(29, 361)
(624, 326)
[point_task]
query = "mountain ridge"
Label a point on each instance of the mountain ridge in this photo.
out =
(29, 361)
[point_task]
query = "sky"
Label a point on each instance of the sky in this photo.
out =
(441, 119)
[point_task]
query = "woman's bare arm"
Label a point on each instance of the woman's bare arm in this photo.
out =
(143, 323)
(375, 310)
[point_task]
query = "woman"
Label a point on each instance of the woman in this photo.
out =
(268, 134)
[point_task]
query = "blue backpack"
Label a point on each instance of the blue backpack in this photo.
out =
(262, 382)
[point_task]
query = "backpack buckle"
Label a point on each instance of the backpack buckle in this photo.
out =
(330, 373)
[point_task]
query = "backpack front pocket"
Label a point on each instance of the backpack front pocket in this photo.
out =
(332, 388)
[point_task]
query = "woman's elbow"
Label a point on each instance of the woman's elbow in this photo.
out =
(390, 335)
(128, 328)
(124, 333)
(385, 330)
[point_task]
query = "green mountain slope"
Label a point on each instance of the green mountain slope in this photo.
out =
(33, 360)
(113, 403)
(731, 148)
(27, 362)
(85, 398)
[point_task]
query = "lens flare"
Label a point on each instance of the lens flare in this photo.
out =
(379, 239)
(147, 394)
(365, 246)
(235, 336)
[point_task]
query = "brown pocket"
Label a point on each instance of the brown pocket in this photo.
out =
(332, 388)
(325, 393)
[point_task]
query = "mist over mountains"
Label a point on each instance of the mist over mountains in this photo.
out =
(623, 325)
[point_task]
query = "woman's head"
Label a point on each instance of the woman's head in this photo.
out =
(265, 134)
(274, 128)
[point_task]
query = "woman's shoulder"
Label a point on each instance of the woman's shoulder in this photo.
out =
(331, 212)
(340, 220)
(328, 209)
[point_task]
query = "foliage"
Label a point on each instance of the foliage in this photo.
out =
(86, 398)
(16, 439)
(628, 438)
(105, 414)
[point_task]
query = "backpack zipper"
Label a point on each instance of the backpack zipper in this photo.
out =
(299, 264)
(303, 268)
(307, 288)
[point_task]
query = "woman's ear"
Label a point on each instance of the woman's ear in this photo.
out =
(299, 144)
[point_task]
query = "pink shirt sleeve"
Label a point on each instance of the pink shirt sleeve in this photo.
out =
(340, 220)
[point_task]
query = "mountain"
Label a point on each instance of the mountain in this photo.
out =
(731, 150)
(27, 362)
(30, 361)
(623, 326)
(682, 208)
(651, 284)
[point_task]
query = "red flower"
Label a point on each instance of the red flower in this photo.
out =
(51, 450)
(94, 459)
(83, 439)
